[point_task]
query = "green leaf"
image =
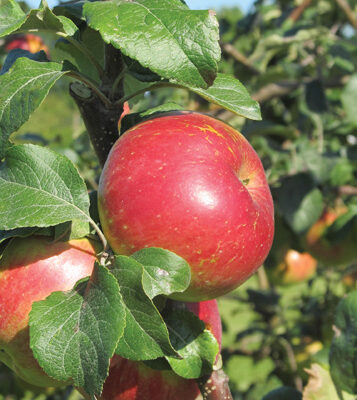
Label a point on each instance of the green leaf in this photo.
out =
(230, 94)
(196, 345)
(145, 336)
(74, 333)
(23, 88)
(320, 385)
(164, 272)
(283, 393)
(17, 53)
(44, 19)
(132, 119)
(150, 32)
(343, 352)
(11, 17)
(23, 232)
(300, 202)
(39, 187)
(349, 99)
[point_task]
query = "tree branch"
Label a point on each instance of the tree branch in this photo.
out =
(348, 11)
(100, 120)
(241, 58)
(215, 387)
(298, 11)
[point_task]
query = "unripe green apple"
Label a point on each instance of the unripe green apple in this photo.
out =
(30, 270)
(193, 185)
(133, 380)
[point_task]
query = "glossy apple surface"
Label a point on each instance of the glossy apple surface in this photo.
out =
(133, 380)
(340, 252)
(193, 185)
(30, 270)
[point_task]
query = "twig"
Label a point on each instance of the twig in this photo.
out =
(292, 362)
(215, 387)
(348, 11)
(347, 190)
(241, 58)
(298, 11)
(263, 278)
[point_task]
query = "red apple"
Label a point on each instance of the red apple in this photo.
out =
(133, 380)
(296, 267)
(30, 270)
(193, 185)
(340, 252)
(29, 42)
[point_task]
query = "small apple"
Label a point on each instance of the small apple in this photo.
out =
(328, 252)
(295, 267)
(29, 42)
(133, 380)
(193, 185)
(30, 270)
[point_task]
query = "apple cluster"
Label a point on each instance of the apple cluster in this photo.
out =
(182, 181)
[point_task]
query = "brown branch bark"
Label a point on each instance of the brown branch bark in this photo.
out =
(347, 190)
(298, 11)
(348, 11)
(241, 58)
(215, 387)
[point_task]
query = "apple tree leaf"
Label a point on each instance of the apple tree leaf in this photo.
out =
(74, 334)
(196, 345)
(320, 385)
(283, 393)
(299, 201)
(164, 272)
(39, 187)
(343, 351)
(229, 93)
(44, 19)
(146, 336)
(149, 31)
(23, 88)
(11, 17)
(18, 53)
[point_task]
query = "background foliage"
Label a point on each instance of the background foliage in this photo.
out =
(298, 59)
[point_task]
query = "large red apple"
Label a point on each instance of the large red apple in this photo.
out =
(341, 252)
(191, 184)
(30, 270)
(133, 380)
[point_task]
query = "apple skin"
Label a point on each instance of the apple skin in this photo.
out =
(331, 253)
(133, 380)
(193, 185)
(295, 267)
(30, 270)
(29, 42)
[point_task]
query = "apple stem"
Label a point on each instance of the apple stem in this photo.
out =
(215, 387)
(100, 235)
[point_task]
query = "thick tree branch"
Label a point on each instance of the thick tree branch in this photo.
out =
(100, 120)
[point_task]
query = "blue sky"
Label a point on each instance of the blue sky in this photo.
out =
(194, 4)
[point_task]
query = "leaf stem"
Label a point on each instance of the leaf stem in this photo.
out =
(116, 82)
(157, 85)
(100, 235)
(85, 51)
